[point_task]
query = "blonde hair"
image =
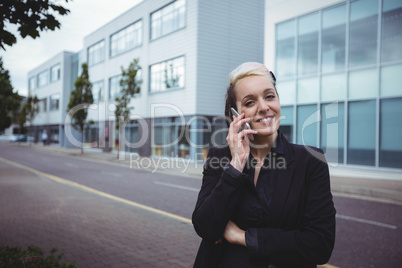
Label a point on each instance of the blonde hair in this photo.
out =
(250, 69)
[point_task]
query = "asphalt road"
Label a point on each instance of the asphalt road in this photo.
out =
(369, 233)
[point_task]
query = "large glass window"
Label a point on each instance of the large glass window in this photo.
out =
(391, 129)
(363, 84)
(333, 39)
(43, 78)
(286, 91)
(307, 124)
(168, 19)
(332, 131)
(97, 91)
(167, 75)
(54, 102)
(96, 53)
(391, 47)
(333, 87)
(126, 39)
(391, 81)
(307, 90)
(114, 87)
(285, 49)
(32, 83)
(55, 73)
(308, 44)
(286, 126)
(361, 133)
(363, 32)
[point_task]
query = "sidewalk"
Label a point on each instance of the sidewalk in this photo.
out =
(381, 185)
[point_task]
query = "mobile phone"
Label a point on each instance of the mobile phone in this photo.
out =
(250, 136)
(237, 114)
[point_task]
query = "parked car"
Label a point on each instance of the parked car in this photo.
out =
(6, 137)
(20, 138)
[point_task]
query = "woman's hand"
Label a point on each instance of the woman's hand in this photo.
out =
(239, 142)
(234, 235)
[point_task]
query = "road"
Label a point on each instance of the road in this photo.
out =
(369, 233)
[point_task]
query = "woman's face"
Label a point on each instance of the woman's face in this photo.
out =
(257, 98)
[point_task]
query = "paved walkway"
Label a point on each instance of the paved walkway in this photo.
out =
(92, 230)
(381, 185)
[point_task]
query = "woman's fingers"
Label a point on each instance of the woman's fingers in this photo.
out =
(245, 132)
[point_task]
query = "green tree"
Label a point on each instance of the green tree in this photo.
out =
(9, 101)
(28, 113)
(80, 99)
(31, 17)
(129, 86)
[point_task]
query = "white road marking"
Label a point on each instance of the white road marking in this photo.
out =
(112, 174)
(366, 221)
(177, 186)
(70, 165)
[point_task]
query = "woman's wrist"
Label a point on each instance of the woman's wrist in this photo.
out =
(238, 163)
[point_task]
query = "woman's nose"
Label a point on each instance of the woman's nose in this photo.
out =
(262, 106)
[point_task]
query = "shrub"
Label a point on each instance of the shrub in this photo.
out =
(15, 257)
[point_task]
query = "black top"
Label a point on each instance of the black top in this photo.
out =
(288, 216)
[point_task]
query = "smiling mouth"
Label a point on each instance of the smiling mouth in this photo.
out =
(265, 121)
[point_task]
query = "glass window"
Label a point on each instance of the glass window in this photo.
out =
(32, 83)
(308, 44)
(363, 84)
(333, 39)
(391, 47)
(114, 87)
(333, 87)
(96, 53)
(54, 102)
(287, 92)
(42, 105)
(390, 133)
(363, 32)
(126, 39)
(361, 132)
(97, 91)
(307, 90)
(332, 131)
(43, 78)
(55, 73)
(286, 126)
(285, 49)
(167, 75)
(168, 19)
(391, 81)
(307, 124)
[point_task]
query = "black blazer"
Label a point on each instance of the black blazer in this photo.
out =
(301, 227)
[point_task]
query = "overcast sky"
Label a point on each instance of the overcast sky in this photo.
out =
(85, 16)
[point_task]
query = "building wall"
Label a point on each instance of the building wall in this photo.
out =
(336, 63)
(229, 33)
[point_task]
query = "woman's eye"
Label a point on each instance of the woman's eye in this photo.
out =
(270, 96)
(248, 103)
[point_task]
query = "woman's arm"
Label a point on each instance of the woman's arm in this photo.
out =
(218, 197)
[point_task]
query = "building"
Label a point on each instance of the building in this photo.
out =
(52, 82)
(186, 50)
(339, 65)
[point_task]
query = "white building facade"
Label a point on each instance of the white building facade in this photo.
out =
(186, 50)
(339, 65)
(52, 82)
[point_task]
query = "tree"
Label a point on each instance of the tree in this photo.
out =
(81, 98)
(29, 110)
(9, 101)
(129, 86)
(32, 16)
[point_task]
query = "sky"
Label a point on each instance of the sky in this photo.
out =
(85, 17)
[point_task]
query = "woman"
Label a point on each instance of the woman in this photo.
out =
(265, 202)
